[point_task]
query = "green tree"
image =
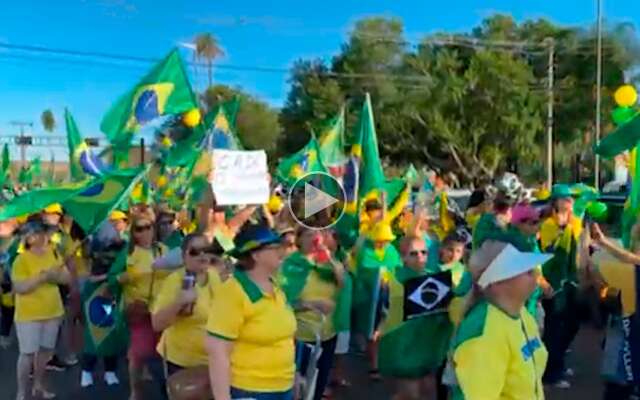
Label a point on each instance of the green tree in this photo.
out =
(208, 49)
(48, 121)
(257, 122)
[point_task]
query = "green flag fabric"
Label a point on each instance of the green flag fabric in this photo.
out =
(36, 200)
(416, 347)
(331, 142)
(306, 160)
(366, 148)
(105, 331)
(624, 138)
(75, 144)
(165, 90)
(93, 205)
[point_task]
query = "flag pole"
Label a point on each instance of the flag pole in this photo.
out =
(598, 93)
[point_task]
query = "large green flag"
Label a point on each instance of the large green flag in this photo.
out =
(36, 200)
(331, 141)
(165, 90)
(90, 207)
(624, 138)
(366, 148)
(304, 161)
(89, 204)
(75, 144)
(221, 126)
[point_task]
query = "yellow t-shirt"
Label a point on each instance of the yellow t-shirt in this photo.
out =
(182, 343)
(45, 301)
(144, 283)
(262, 327)
(314, 289)
(619, 275)
(82, 263)
(499, 357)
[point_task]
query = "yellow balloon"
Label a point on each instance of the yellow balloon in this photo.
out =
(626, 96)
(191, 118)
(161, 181)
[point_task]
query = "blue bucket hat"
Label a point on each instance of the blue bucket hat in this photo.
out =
(252, 238)
(561, 191)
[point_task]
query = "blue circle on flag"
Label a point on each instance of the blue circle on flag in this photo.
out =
(101, 310)
(146, 108)
(221, 140)
(93, 190)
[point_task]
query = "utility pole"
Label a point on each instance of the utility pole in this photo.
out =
(550, 71)
(598, 95)
(23, 141)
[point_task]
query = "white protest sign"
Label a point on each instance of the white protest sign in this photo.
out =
(240, 177)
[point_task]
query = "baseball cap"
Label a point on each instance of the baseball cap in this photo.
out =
(509, 263)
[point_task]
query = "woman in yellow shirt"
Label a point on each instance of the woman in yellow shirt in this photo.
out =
(140, 284)
(182, 307)
(251, 327)
(498, 353)
(36, 274)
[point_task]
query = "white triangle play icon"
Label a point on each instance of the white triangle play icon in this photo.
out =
(315, 200)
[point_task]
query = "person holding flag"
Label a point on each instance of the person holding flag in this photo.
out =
(141, 284)
(376, 259)
(312, 279)
(559, 234)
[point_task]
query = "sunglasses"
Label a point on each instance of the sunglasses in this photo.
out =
(142, 228)
(197, 251)
(415, 253)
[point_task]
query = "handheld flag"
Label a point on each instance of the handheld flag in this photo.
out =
(165, 90)
(5, 165)
(90, 207)
(331, 142)
(75, 145)
(419, 344)
(105, 331)
(366, 149)
(220, 123)
(300, 163)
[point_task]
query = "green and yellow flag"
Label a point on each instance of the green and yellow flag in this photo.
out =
(365, 148)
(76, 145)
(305, 161)
(331, 142)
(165, 90)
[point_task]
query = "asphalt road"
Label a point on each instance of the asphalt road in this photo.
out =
(585, 360)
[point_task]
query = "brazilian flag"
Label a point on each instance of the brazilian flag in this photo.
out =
(305, 161)
(105, 332)
(165, 90)
(90, 207)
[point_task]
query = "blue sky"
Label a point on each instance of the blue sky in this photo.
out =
(253, 33)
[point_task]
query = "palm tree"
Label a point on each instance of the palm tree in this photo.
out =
(207, 48)
(48, 121)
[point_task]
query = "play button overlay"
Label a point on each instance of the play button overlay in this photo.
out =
(316, 200)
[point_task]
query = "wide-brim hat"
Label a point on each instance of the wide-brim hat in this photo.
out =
(253, 238)
(561, 191)
(509, 263)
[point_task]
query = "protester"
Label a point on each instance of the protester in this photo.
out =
(559, 234)
(36, 274)
(120, 222)
(96, 295)
(167, 227)
(618, 269)
(312, 279)
(251, 327)
(8, 250)
(182, 307)
(498, 353)
(414, 258)
(376, 258)
(141, 283)
(480, 203)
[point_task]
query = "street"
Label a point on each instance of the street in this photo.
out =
(585, 360)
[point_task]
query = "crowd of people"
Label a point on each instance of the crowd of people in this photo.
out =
(241, 303)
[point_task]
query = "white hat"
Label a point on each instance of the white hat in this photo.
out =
(510, 262)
